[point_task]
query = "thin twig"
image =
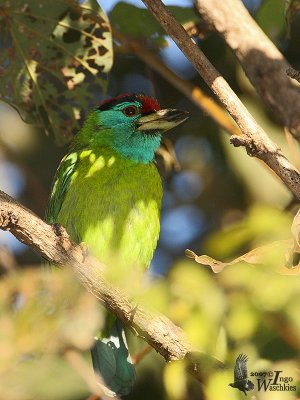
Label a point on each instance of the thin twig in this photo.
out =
(139, 356)
(254, 139)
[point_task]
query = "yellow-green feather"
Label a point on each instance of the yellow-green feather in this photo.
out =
(107, 193)
(111, 203)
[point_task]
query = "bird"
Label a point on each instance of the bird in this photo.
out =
(107, 193)
(241, 380)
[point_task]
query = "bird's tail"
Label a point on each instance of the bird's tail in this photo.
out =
(112, 361)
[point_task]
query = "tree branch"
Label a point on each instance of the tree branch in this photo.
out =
(54, 244)
(262, 62)
(254, 138)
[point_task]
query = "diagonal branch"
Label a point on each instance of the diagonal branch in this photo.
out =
(263, 63)
(254, 138)
(53, 243)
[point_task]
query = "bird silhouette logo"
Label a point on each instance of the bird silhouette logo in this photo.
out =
(241, 380)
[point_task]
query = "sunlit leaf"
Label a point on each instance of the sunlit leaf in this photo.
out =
(196, 287)
(45, 313)
(54, 60)
(294, 258)
(242, 320)
(48, 377)
(42, 316)
(221, 344)
(201, 331)
(217, 386)
(175, 380)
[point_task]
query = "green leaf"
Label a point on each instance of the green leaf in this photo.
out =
(46, 320)
(54, 60)
(175, 380)
(49, 377)
(270, 18)
(291, 9)
(139, 23)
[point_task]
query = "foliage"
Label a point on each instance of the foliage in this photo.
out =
(251, 306)
(291, 9)
(270, 18)
(53, 54)
(142, 24)
(39, 313)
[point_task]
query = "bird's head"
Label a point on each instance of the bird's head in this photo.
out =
(131, 124)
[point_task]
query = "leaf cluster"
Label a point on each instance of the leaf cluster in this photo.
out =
(43, 315)
(54, 60)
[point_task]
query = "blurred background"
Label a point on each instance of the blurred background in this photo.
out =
(218, 201)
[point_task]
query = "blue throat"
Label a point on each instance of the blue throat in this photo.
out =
(121, 136)
(140, 148)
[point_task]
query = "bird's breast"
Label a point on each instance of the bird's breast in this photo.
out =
(113, 205)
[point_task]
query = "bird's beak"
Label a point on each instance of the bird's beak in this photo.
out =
(161, 120)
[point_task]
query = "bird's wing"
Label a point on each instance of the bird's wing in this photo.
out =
(240, 368)
(60, 186)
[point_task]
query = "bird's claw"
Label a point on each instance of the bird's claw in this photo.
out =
(84, 250)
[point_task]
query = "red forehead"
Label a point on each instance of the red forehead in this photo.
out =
(149, 104)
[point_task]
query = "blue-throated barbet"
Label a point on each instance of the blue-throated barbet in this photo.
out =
(107, 193)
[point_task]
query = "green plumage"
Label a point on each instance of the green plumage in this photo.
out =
(107, 193)
(110, 203)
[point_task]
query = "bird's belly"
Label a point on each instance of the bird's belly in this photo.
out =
(115, 211)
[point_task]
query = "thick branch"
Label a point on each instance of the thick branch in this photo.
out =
(54, 244)
(263, 63)
(254, 138)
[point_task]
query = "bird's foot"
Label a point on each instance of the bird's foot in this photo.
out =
(133, 311)
(84, 250)
(132, 314)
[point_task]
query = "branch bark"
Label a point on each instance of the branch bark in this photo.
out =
(262, 62)
(294, 74)
(53, 243)
(254, 138)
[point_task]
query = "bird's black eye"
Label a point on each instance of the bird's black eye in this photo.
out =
(130, 111)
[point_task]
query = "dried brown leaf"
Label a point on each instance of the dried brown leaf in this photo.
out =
(259, 255)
